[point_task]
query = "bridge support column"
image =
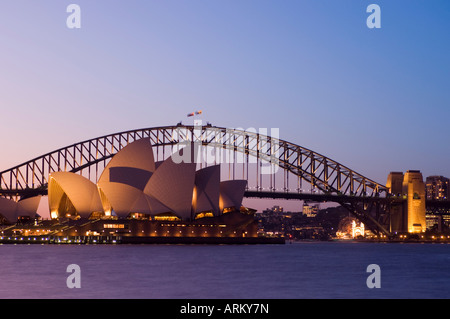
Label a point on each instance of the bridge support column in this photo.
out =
(407, 216)
(414, 187)
(398, 220)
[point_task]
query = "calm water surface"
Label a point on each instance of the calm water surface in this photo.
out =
(299, 270)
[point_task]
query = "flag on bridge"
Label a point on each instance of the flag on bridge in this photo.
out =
(194, 113)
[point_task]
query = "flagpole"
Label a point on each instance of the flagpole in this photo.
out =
(193, 114)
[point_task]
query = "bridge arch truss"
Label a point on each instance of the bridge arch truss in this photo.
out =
(270, 165)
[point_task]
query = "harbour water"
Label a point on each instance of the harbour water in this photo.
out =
(291, 271)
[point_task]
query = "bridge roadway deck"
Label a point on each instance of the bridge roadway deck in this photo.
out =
(319, 197)
(435, 206)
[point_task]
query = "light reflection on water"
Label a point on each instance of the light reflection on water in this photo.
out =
(299, 270)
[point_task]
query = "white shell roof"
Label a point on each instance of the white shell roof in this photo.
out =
(82, 193)
(172, 185)
(207, 184)
(123, 198)
(28, 206)
(8, 209)
(11, 210)
(138, 154)
(232, 193)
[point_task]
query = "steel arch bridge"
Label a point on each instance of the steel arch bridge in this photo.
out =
(274, 168)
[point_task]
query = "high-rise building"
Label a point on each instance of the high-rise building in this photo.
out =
(437, 187)
(310, 210)
(277, 209)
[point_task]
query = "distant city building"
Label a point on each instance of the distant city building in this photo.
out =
(277, 209)
(437, 187)
(434, 222)
(310, 210)
(274, 210)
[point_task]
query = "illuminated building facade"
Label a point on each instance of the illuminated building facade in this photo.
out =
(437, 187)
(310, 210)
(350, 228)
(357, 230)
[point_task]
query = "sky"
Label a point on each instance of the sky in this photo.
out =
(376, 100)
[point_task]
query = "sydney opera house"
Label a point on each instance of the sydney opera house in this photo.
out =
(138, 199)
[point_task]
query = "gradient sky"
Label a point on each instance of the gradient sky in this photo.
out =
(376, 100)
